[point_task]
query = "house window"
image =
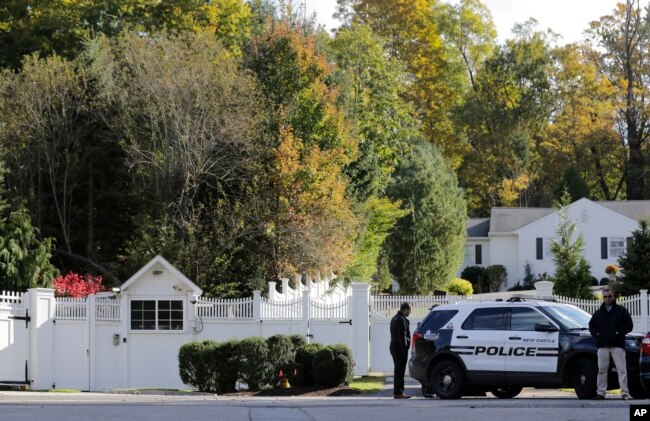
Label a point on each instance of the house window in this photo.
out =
(156, 314)
(616, 246)
(469, 256)
(543, 248)
(473, 255)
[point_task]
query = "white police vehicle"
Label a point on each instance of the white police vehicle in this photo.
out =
(471, 348)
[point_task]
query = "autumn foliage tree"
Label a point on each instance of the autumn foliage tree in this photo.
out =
(311, 224)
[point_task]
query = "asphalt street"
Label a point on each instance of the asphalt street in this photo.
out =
(531, 405)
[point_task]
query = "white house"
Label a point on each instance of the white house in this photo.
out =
(513, 237)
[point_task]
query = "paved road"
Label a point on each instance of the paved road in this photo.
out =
(532, 405)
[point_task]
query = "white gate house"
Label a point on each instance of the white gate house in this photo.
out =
(131, 339)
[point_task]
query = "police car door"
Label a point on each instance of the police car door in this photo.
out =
(478, 342)
(530, 350)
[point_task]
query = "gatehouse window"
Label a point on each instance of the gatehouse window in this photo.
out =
(156, 315)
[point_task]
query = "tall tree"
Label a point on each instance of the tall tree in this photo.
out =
(187, 113)
(371, 85)
(634, 263)
(25, 257)
(412, 36)
(62, 26)
(311, 222)
(426, 246)
(572, 275)
(623, 38)
(582, 137)
(503, 118)
(469, 33)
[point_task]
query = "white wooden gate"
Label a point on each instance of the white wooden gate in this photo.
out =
(14, 339)
(330, 323)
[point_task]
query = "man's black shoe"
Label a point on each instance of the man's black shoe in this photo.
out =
(402, 397)
(599, 398)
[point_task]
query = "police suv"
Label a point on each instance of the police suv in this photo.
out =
(501, 347)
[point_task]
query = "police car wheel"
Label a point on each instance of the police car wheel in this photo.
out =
(506, 392)
(447, 380)
(584, 378)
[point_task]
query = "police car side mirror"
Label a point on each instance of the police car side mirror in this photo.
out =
(545, 327)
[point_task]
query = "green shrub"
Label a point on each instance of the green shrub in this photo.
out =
(194, 364)
(330, 368)
(459, 286)
(298, 341)
(281, 353)
(345, 351)
(253, 362)
(496, 275)
(604, 281)
(477, 277)
(224, 359)
(305, 356)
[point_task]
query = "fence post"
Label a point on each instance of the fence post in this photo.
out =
(257, 306)
(544, 288)
(305, 314)
(124, 333)
(42, 306)
(359, 312)
(644, 311)
(297, 282)
(91, 324)
(272, 291)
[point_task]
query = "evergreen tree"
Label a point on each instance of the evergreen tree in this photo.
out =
(634, 263)
(24, 257)
(426, 246)
(572, 271)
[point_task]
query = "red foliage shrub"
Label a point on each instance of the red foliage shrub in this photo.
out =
(77, 286)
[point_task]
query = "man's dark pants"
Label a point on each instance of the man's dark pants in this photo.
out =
(400, 356)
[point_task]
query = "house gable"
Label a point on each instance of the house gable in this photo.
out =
(159, 276)
(583, 211)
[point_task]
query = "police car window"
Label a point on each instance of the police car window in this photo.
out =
(493, 318)
(437, 319)
(569, 317)
(525, 318)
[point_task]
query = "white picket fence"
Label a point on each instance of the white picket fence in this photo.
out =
(10, 298)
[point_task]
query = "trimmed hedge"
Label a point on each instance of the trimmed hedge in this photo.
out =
(281, 353)
(305, 356)
(213, 366)
(225, 359)
(194, 364)
(330, 368)
(254, 362)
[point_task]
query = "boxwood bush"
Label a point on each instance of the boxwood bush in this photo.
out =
(344, 351)
(281, 353)
(330, 368)
(305, 356)
(253, 362)
(213, 366)
(195, 364)
(224, 358)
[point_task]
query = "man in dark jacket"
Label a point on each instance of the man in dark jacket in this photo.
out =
(609, 325)
(400, 340)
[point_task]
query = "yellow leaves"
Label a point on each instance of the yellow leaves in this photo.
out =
(315, 225)
(288, 152)
(512, 188)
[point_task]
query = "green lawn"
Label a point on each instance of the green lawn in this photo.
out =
(368, 384)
